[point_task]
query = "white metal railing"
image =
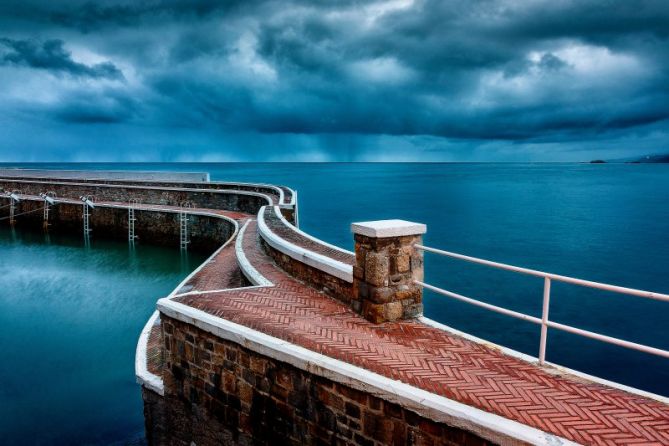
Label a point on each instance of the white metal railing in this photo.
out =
(544, 321)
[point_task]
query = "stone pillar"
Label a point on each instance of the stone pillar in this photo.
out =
(386, 264)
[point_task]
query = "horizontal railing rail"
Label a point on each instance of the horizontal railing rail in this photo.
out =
(544, 321)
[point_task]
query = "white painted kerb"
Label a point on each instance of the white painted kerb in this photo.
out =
(144, 377)
(326, 264)
(388, 228)
(248, 270)
(277, 211)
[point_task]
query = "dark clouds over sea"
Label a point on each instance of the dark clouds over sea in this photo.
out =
(333, 80)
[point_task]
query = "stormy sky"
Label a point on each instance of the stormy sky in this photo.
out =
(316, 80)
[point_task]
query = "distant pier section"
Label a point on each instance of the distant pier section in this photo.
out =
(281, 338)
(89, 175)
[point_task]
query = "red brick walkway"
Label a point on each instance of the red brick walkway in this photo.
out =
(438, 362)
(279, 228)
(155, 354)
(287, 194)
(219, 273)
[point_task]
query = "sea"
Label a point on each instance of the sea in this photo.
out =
(71, 313)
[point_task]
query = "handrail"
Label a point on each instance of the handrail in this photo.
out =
(558, 277)
(544, 321)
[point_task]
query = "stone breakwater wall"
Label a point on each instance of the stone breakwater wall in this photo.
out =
(328, 275)
(153, 227)
(376, 281)
(241, 201)
(330, 284)
(106, 174)
(270, 359)
(219, 392)
(222, 383)
(283, 194)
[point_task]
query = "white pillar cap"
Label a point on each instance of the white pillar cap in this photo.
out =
(388, 228)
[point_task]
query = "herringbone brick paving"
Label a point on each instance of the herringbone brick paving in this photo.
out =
(220, 272)
(278, 227)
(287, 194)
(155, 355)
(438, 362)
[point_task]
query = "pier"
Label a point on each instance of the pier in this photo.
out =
(281, 338)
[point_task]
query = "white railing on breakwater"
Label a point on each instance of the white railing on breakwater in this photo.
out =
(544, 321)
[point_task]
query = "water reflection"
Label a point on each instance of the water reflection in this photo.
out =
(71, 310)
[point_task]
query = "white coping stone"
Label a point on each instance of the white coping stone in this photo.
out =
(142, 374)
(209, 259)
(144, 377)
(326, 264)
(388, 228)
(440, 409)
(277, 211)
(247, 269)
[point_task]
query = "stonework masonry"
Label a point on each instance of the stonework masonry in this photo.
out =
(288, 210)
(329, 284)
(264, 189)
(220, 393)
(157, 228)
(147, 195)
(155, 417)
(386, 266)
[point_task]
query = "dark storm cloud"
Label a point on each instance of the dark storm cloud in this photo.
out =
(52, 56)
(522, 72)
(94, 15)
(104, 109)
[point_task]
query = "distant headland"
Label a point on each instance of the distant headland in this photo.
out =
(647, 159)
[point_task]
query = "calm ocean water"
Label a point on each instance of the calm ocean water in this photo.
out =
(70, 317)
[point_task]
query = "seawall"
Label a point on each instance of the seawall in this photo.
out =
(281, 338)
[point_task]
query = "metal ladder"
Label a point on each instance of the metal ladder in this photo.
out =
(48, 202)
(87, 221)
(12, 211)
(88, 204)
(183, 225)
(13, 199)
(131, 220)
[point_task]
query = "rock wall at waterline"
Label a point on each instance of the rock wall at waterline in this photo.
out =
(151, 227)
(220, 393)
(240, 201)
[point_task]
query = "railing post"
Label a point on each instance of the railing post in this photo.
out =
(544, 320)
(386, 266)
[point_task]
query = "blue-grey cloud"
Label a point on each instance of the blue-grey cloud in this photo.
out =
(50, 55)
(107, 109)
(490, 73)
(92, 15)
